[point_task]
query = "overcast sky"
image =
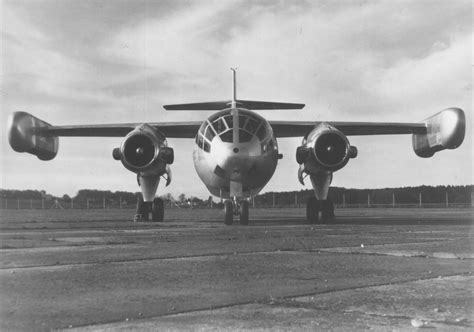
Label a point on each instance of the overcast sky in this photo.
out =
(81, 62)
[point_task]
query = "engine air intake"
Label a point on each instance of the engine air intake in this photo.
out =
(139, 150)
(330, 149)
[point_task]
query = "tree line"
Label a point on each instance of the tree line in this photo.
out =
(404, 195)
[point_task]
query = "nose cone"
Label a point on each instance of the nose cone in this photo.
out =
(232, 158)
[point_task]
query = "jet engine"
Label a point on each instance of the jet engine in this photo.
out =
(27, 133)
(325, 148)
(145, 151)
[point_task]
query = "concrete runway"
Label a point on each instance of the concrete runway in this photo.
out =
(372, 269)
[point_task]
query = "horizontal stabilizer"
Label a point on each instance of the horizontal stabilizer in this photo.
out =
(268, 105)
(220, 105)
(206, 106)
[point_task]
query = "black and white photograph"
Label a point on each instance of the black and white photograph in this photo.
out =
(236, 165)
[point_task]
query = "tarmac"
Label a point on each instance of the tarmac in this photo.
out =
(371, 269)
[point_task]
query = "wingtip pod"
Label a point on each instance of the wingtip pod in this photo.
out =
(444, 130)
(25, 135)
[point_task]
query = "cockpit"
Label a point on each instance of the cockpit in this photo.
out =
(222, 124)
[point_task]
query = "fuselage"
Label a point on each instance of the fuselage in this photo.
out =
(236, 153)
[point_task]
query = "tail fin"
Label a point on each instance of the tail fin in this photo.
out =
(234, 86)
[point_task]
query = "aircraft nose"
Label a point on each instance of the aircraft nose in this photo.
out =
(233, 159)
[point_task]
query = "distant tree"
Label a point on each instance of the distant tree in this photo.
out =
(66, 198)
(168, 197)
(182, 197)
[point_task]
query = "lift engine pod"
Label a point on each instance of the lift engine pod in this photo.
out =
(27, 133)
(444, 130)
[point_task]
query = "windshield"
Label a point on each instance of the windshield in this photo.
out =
(222, 124)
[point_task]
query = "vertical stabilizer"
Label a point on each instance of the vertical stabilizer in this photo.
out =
(234, 88)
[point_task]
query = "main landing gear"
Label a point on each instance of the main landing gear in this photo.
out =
(153, 211)
(232, 208)
(319, 211)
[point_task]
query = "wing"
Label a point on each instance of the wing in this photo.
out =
(301, 128)
(169, 129)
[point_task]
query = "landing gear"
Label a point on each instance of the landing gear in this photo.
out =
(232, 208)
(312, 210)
(145, 209)
(244, 213)
(327, 210)
(229, 212)
(158, 212)
(319, 211)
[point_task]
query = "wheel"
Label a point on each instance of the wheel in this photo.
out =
(327, 208)
(143, 210)
(229, 212)
(244, 213)
(158, 212)
(139, 211)
(312, 210)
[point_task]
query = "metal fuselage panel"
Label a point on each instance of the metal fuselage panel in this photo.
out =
(236, 153)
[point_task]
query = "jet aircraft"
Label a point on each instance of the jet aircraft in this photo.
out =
(236, 151)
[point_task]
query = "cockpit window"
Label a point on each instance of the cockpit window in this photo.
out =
(251, 126)
(227, 136)
(244, 136)
(242, 121)
(205, 136)
(261, 132)
(222, 125)
(199, 140)
(219, 125)
(209, 133)
(230, 121)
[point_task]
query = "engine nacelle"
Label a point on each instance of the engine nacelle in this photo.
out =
(27, 133)
(325, 148)
(444, 130)
(145, 151)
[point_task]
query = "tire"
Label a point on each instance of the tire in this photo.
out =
(229, 212)
(143, 210)
(327, 208)
(244, 213)
(311, 210)
(158, 210)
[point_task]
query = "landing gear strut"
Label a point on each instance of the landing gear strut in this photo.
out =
(319, 211)
(154, 209)
(232, 208)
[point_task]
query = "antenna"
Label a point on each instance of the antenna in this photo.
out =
(234, 87)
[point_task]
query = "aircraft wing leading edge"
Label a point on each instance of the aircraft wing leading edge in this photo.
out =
(169, 129)
(301, 128)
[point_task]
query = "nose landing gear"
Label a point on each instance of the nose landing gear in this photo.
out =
(234, 207)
